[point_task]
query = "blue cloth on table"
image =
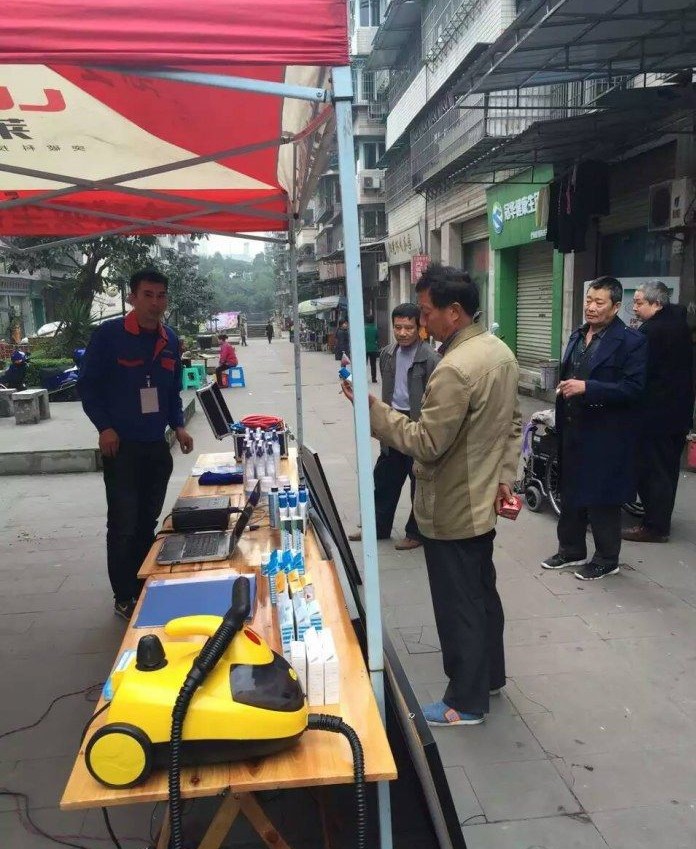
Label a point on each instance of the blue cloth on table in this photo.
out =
(219, 478)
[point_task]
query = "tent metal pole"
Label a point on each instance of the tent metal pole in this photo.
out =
(292, 241)
(298, 92)
(343, 98)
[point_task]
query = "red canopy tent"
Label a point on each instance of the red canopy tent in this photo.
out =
(167, 116)
(87, 142)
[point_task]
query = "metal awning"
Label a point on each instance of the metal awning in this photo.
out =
(626, 120)
(394, 33)
(319, 305)
(558, 41)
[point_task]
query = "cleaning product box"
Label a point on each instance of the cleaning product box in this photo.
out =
(315, 667)
(331, 668)
(298, 661)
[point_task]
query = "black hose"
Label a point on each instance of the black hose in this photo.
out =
(327, 722)
(213, 649)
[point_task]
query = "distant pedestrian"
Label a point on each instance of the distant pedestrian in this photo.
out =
(243, 330)
(372, 346)
(342, 344)
(269, 331)
(228, 357)
(668, 408)
(603, 376)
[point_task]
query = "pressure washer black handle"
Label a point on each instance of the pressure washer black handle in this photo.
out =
(241, 602)
(232, 622)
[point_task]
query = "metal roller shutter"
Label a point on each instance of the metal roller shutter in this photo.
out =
(475, 229)
(534, 303)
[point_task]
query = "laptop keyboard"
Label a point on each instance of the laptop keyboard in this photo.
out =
(202, 545)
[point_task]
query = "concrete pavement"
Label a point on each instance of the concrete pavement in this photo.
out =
(590, 745)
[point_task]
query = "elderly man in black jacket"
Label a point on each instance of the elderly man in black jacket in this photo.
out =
(603, 375)
(668, 408)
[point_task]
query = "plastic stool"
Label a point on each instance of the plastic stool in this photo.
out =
(200, 368)
(235, 376)
(191, 378)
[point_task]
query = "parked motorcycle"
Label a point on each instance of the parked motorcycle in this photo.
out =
(62, 384)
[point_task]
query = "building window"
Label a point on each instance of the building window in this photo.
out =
(372, 223)
(369, 13)
(368, 85)
(372, 152)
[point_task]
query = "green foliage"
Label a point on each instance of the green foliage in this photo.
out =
(240, 286)
(191, 296)
(36, 364)
(80, 270)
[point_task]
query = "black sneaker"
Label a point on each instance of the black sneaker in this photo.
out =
(559, 561)
(124, 609)
(595, 571)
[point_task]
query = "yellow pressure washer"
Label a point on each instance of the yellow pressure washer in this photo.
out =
(176, 704)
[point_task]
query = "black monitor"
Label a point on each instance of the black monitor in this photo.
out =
(216, 410)
(422, 806)
(322, 501)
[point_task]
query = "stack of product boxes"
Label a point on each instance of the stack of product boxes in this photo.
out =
(306, 644)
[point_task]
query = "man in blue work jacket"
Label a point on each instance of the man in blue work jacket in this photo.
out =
(130, 389)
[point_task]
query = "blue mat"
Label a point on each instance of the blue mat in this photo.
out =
(169, 598)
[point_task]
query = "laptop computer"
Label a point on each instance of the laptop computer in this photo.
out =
(216, 410)
(201, 546)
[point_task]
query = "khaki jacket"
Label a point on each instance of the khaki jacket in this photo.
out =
(467, 440)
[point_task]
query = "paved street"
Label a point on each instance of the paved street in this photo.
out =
(591, 745)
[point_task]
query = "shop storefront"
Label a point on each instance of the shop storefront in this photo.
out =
(476, 256)
(629, 247)
(400, 249)
(527, 271)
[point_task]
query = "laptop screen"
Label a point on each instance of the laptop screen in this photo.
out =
(215, 409)
(245, 515)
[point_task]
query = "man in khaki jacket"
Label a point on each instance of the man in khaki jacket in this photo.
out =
(465, 447)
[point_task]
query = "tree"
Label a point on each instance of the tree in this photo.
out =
(191, 296)
(83, 268)
(240, 286)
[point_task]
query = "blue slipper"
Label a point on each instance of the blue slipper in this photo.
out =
(441, 715)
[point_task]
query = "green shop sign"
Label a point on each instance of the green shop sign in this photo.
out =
(514, 211)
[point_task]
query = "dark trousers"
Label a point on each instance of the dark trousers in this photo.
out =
(658, 478)
(219, 371)
(469, 618)
(372, 357)
(391, 471)
(136, 483)
(605, 521)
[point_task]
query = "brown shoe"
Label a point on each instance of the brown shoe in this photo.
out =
(641, 534)
(407, 544)
(356, 537)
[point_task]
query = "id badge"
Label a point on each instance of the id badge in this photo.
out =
(149, 402)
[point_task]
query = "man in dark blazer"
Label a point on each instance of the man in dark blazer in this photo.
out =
(602, 380)
(668, 408)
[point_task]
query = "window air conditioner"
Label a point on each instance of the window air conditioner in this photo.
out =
(371, 182)
(670, 204)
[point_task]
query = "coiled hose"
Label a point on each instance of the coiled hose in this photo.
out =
(327, 722)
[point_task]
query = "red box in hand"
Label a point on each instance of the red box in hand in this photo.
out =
(511, 510)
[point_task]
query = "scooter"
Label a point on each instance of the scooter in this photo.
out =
(63, 386)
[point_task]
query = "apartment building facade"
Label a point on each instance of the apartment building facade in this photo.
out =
(470, 166)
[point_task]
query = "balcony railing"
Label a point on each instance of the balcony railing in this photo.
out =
(397, 182)
(329, 242)
(464, 133)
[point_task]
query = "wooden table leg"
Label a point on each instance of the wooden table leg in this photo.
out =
(263, 826)
(222, 822)
(165, 831)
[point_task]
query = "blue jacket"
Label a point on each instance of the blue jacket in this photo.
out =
(599, 430)
(119, 360)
